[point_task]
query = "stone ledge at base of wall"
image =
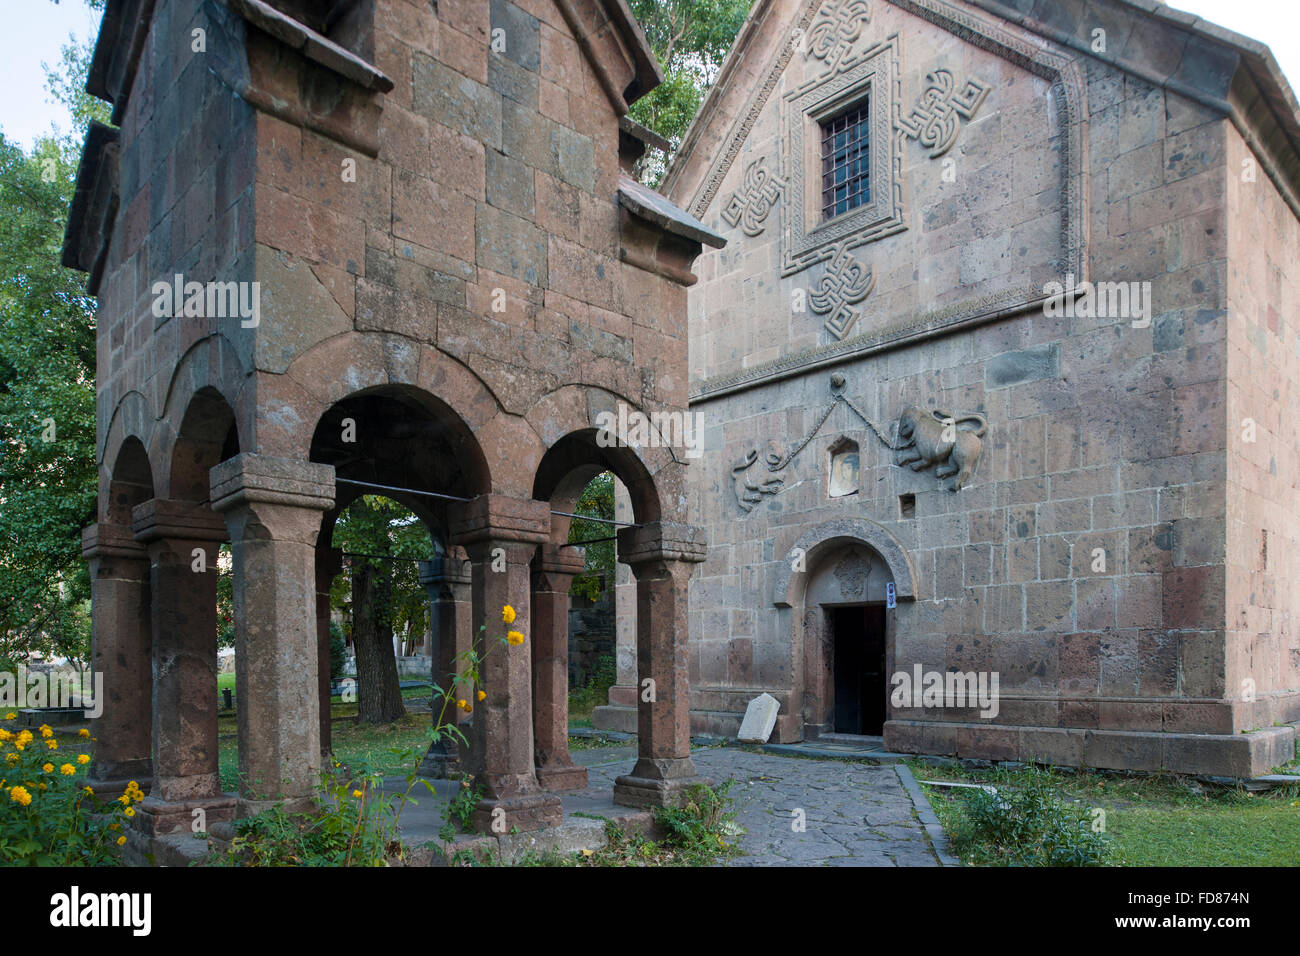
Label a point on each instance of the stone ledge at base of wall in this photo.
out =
(1240, 756)
(616, 717)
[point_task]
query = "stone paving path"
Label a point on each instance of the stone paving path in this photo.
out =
(855, 814)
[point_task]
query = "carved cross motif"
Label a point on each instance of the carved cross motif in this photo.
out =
(838, 26)
(749, 205)
(846, 283)
(934, 119)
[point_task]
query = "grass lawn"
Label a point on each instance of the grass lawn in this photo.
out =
(1158, 819)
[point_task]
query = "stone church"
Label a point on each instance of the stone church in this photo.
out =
(999, 379)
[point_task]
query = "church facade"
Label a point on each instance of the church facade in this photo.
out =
(999, 372)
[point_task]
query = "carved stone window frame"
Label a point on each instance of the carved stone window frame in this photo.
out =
(807, 238)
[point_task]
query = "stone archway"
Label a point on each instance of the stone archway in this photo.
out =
(835, 567)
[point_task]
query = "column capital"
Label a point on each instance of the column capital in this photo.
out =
(104, 540)
(499, 518)
(662, 541)
(263, 479)
(444, 570)
(164, 518)
(561, 559)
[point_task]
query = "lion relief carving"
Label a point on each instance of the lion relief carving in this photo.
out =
(943, 440)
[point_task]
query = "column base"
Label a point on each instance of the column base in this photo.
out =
(657, 782)
(439, 763)
(157, 818)
(559, 777)
(523, 813)
(247, 807)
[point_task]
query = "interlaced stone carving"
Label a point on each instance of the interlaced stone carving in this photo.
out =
(846, 283)
(934, 120)
(749, 205)
(836, 29)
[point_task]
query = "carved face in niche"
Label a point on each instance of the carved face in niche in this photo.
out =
(844, 474)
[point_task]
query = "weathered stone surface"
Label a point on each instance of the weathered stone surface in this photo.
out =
(760, 719)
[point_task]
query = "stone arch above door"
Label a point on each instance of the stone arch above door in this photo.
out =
(819, 542)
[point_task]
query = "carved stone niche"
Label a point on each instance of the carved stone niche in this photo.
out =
(842, 474)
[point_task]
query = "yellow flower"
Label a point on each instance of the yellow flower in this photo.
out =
(482, 695)
(121, 840)
(83, 732)
(129, 811)
(67, 770)
(83, 758)
(125, 799)
(514, 638)
(5, 734)
(358, 794)
(89, 790)
(508, 614)
(20, 796)
(11, 716)
(13, 759)
(46, 730)
(25, 736)
(48, 768)
(41, 785)
(52, 744)
(463, 704)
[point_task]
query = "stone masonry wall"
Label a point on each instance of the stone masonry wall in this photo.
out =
(1103, 434)
(1263, 541)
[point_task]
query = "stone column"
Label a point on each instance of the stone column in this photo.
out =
(273, 509)
(620, 713)
(329, 563)
(662, 556)
(501, 535)
(442, 578)
(121, 652)
(554, 570)
(183, 541)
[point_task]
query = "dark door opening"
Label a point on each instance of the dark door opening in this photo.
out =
(858, 635)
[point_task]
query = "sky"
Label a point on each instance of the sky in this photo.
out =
(35, 30)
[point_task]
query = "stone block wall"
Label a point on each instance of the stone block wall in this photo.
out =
(1105, 560)
(1262, 561)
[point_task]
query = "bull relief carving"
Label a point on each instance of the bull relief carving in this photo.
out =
(952, 444)
(935, 120)
(749, 205)
(939, 439)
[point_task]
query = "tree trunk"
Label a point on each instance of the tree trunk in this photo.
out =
(379, 695)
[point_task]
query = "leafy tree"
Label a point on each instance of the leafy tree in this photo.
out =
(596, 500)
(691, 39)
(382, 542)
(47, 387)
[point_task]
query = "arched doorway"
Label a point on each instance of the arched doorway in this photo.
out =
(846, 643)
(834, 594)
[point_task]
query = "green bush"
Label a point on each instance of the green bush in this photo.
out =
(355, 824)
(48, 816)
(459, 810)
(1029, 825)
(700, 827)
